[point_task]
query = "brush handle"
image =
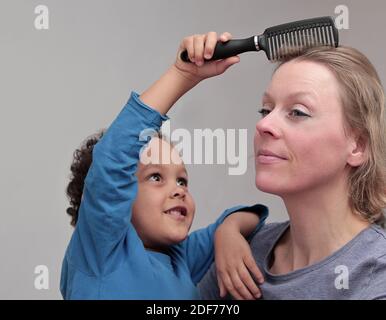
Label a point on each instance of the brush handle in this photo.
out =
(228, 49)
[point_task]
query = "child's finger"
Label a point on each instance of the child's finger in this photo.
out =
(198, 42)
(247, 280)
(226, 36)
(221, 286)
(210, 44)
(240, 287)
(230, 288)
(224, 64)
(253, 268)
(188, 45)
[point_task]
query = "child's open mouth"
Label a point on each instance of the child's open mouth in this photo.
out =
(177, 212)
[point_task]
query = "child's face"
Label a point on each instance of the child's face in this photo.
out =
(163, 210)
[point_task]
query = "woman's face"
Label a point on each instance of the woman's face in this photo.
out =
(300, 142)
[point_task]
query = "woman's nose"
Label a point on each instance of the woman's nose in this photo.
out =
(268, 126)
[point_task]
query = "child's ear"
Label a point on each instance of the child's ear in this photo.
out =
(358, 152)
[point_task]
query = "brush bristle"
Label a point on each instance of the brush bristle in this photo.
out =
(288, 42)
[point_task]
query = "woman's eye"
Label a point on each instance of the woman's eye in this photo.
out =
(264, 112)
(298, 113)
(155, 177)
(182, 182)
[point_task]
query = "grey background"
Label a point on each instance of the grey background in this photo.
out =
(60, 85)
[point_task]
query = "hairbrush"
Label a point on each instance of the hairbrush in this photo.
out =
(279, 41)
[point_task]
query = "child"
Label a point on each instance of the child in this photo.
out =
(131, 236)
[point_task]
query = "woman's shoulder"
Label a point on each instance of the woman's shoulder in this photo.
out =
(268, 235)
(376, 237)
(273, 228)
(375, 247)
(379, 231)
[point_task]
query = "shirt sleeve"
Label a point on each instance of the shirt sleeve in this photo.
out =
(111, 186)
(199, 247)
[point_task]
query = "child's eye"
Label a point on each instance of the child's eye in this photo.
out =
(264, 112)
(182, 182)
(155, 177)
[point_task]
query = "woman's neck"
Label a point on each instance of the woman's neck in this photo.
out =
(321, 222)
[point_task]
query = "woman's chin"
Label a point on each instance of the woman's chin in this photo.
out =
(266, 186)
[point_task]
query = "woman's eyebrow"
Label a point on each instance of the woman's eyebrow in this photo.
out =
(266, 95)
(303, 94)
(296, 94)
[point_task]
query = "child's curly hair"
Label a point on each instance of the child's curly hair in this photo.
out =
(81, 163)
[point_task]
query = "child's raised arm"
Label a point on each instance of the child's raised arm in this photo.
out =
(181, 76)
(110, 185)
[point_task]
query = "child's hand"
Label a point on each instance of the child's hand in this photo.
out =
(235, 264)
(199, 48)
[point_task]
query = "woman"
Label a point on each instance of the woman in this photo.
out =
(320, 146)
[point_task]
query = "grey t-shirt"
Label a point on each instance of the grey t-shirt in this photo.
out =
(355, 271)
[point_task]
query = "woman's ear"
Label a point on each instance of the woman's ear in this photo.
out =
(358, 152)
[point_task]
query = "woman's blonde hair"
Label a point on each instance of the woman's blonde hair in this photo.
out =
(363, 103)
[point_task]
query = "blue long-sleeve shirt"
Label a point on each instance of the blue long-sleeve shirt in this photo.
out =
(105, 258)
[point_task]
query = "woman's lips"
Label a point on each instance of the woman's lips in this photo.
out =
(263, 159)
(268, 157)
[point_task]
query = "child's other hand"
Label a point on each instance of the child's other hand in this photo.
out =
(199, 48)
(235, 265)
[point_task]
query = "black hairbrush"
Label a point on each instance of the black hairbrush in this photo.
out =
(281, 40)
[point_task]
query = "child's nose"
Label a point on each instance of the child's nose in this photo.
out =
(178, 192)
